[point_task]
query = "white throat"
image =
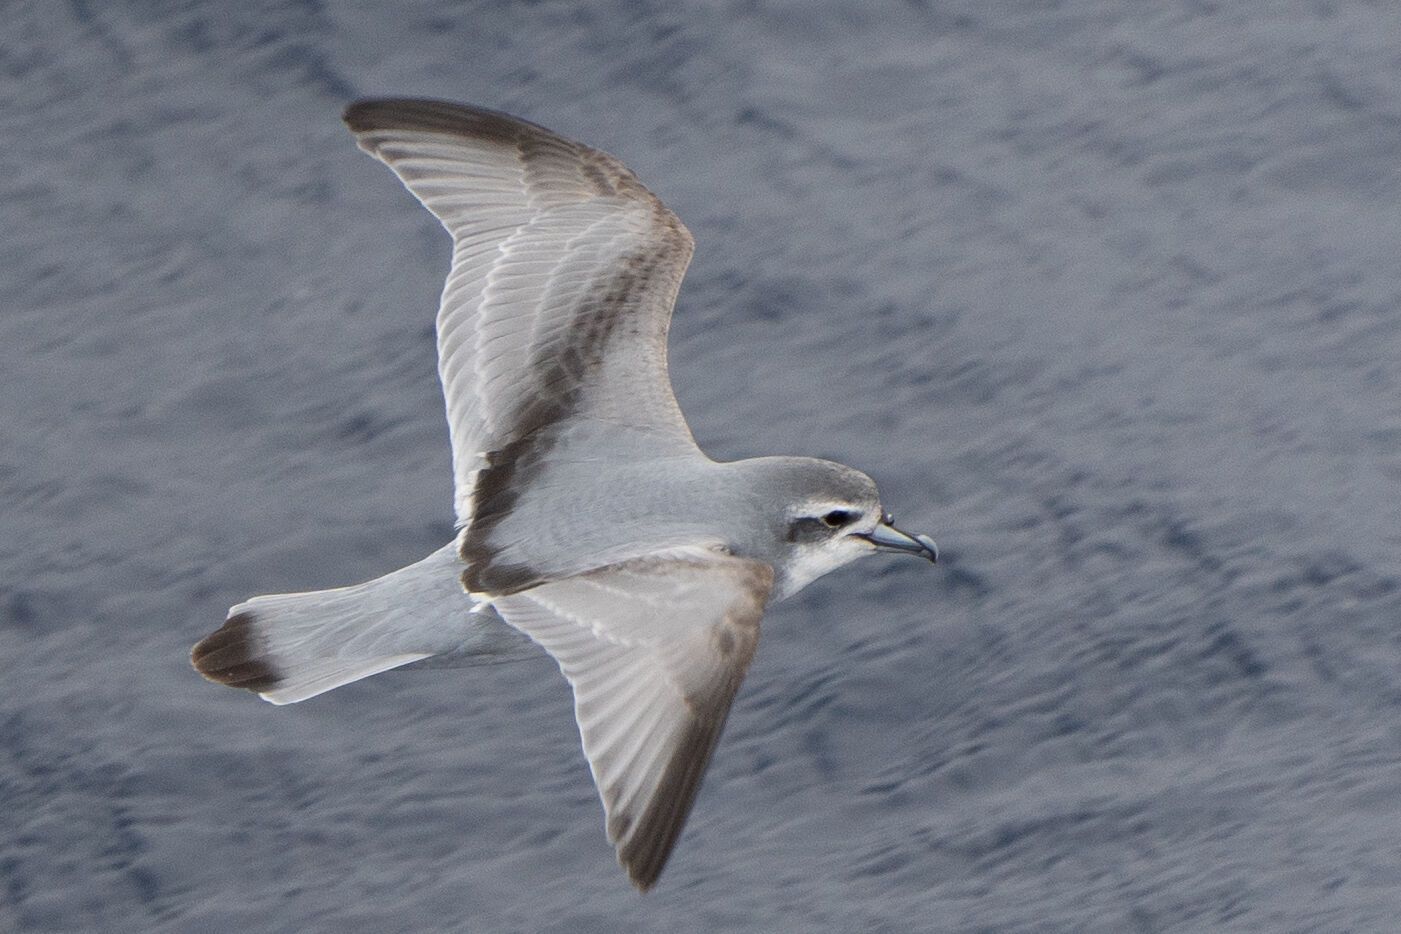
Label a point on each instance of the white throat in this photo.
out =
(807, 564)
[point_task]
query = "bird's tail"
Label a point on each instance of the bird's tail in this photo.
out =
(288, 647)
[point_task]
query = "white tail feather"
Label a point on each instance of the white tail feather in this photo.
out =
(289, 647)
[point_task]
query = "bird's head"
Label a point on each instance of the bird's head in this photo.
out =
(830, 515)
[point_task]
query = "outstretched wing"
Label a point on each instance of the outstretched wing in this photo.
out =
(564, 272)
(655, 649)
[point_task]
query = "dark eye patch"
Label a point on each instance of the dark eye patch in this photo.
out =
(808, 529)
(819, 528)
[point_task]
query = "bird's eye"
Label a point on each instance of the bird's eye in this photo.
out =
(837, 518)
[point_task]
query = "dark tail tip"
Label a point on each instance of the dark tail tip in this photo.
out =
(230, 655)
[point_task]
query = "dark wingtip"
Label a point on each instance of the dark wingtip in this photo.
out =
(230, 655)
(646, 852)
(365, 116)
(644, 876)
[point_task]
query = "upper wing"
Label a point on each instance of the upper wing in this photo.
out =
(564, 272)
(655, 649)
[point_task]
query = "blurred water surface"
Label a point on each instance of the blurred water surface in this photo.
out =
(1104, 296)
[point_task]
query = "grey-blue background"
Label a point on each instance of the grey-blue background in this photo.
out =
(1103, 294)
